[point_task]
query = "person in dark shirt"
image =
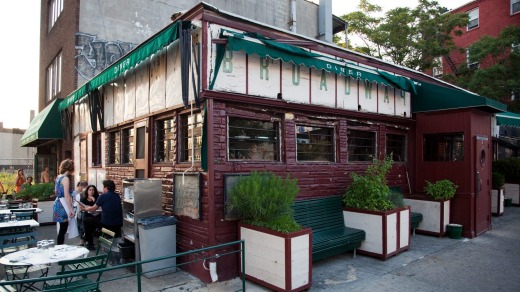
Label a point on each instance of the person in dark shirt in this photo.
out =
(111, 210)
(91, 220)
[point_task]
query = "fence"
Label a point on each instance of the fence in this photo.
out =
(11, 165)
(110, 276)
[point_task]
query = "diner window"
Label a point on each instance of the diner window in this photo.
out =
(361, 145)
(396, 146)
(473, 19)
(515, 6)
(443, 147)
(54, 78)
(191, 133)
(55, 9)
(121, 146)
(250, 139)
(163, 146)
(314, 143)
(96, 149)
(114, 146)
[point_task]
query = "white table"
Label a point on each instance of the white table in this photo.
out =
(32, 223)
(33, 256)
(8, 211)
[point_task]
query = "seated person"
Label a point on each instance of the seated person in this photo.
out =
(91, 220)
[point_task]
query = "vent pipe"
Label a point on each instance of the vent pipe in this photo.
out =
(293, 16)
(325, 21)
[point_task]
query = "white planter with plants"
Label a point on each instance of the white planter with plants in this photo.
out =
(435, 208)
(369, 205)
(278, 252)
(497, 194)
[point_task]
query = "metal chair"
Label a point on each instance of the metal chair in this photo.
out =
(106, 240)
(15, 236)
(79, 283)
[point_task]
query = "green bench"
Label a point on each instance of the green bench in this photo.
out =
(415, 217)
(330, 236)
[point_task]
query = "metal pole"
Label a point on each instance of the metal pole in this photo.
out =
(243, 265)
(139, 271)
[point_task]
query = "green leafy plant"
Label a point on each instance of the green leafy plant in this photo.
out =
(7, 179)
(370, 191)
(41, 191)
(497, 180)
(265, 199)
(441, 190)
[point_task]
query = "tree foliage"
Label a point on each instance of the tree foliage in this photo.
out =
(500, 80)
(404, 36)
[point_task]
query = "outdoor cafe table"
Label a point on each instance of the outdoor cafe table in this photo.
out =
(8, 211)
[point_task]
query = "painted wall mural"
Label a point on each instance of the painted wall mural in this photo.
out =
(93, 55)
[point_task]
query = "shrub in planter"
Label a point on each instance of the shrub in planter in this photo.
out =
(497, 193)
(371, 206)
(278, 250)
(441, 190)
(42, 191)
(497, 180)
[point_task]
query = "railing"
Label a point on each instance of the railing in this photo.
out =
(139, 269)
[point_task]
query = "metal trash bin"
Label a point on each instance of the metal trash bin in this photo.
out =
(158, 238)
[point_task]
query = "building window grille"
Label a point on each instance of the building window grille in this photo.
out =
(163, 146)
(396, 146)
(121, 146)
(314, 143)
(191, 133)
(361, 145)
(250, 139)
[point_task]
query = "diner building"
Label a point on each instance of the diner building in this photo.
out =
(214, 95)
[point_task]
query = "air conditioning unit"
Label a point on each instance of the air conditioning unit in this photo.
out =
(437, 71)
(474, 65)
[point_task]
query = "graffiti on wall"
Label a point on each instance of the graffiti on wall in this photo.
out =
(93, 55)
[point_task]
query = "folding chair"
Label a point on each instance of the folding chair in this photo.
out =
(75, 283)
(106, 240)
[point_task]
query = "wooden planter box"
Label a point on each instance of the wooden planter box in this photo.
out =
(497, 202)
(436, 215)
(278, 261)
(45, 217)
(387, 233)
(512, 191)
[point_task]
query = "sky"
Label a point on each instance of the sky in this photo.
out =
(20, 29)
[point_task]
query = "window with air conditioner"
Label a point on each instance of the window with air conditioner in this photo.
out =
(515, 6)
(437, 70)
(471, 64)
(473, 19)
(515, 47)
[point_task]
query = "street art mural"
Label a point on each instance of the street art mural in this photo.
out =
(93, 55)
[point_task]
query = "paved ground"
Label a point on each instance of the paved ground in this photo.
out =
(490, 262)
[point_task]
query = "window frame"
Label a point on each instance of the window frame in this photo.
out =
(450, 148)
(512, 4)
(53, 77)
(117, 146)
(277, 126)
(438, 69)
(332, 128)
(172, 133)
(468, 28)
(182, 156)
(471, 65)
(365, 130)
(55, 8)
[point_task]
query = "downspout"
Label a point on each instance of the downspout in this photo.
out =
(293, 16)
(346, 35)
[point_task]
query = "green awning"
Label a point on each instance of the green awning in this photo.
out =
(508, 119)
(263, 47)
(139, 54)
(44, 127)
(431, 97)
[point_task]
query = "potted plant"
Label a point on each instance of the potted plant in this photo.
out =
(497, 194)
(43, 194)
(371, 206)
(278, 250)
(435, 207)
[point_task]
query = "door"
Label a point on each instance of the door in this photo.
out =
(482, 184)
(141, 149)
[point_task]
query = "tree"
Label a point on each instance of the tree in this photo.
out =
(404, 36)
(501, 80)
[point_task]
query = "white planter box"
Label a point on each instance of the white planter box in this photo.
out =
(436, 215)
(387, 233)
(45, 217)
(497, 202)
(512, 191)
(279, 261)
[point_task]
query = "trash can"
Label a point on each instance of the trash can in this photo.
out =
(508, 202)
(455, 231)
(157, 238)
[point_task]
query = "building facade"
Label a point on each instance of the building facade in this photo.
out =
(214, 95)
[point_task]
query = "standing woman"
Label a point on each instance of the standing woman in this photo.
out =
(20, 180)
(63, 213)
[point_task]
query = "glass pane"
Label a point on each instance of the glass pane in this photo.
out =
(252, 139)
(314, 144)
(361, 145)
(141, 132)
(396, 146)
(443, 147)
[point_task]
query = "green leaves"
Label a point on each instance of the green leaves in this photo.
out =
(370, 191)
(265, 199)
(441, 190)
(41, 191)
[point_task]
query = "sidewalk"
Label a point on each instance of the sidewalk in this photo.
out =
(489, 262)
